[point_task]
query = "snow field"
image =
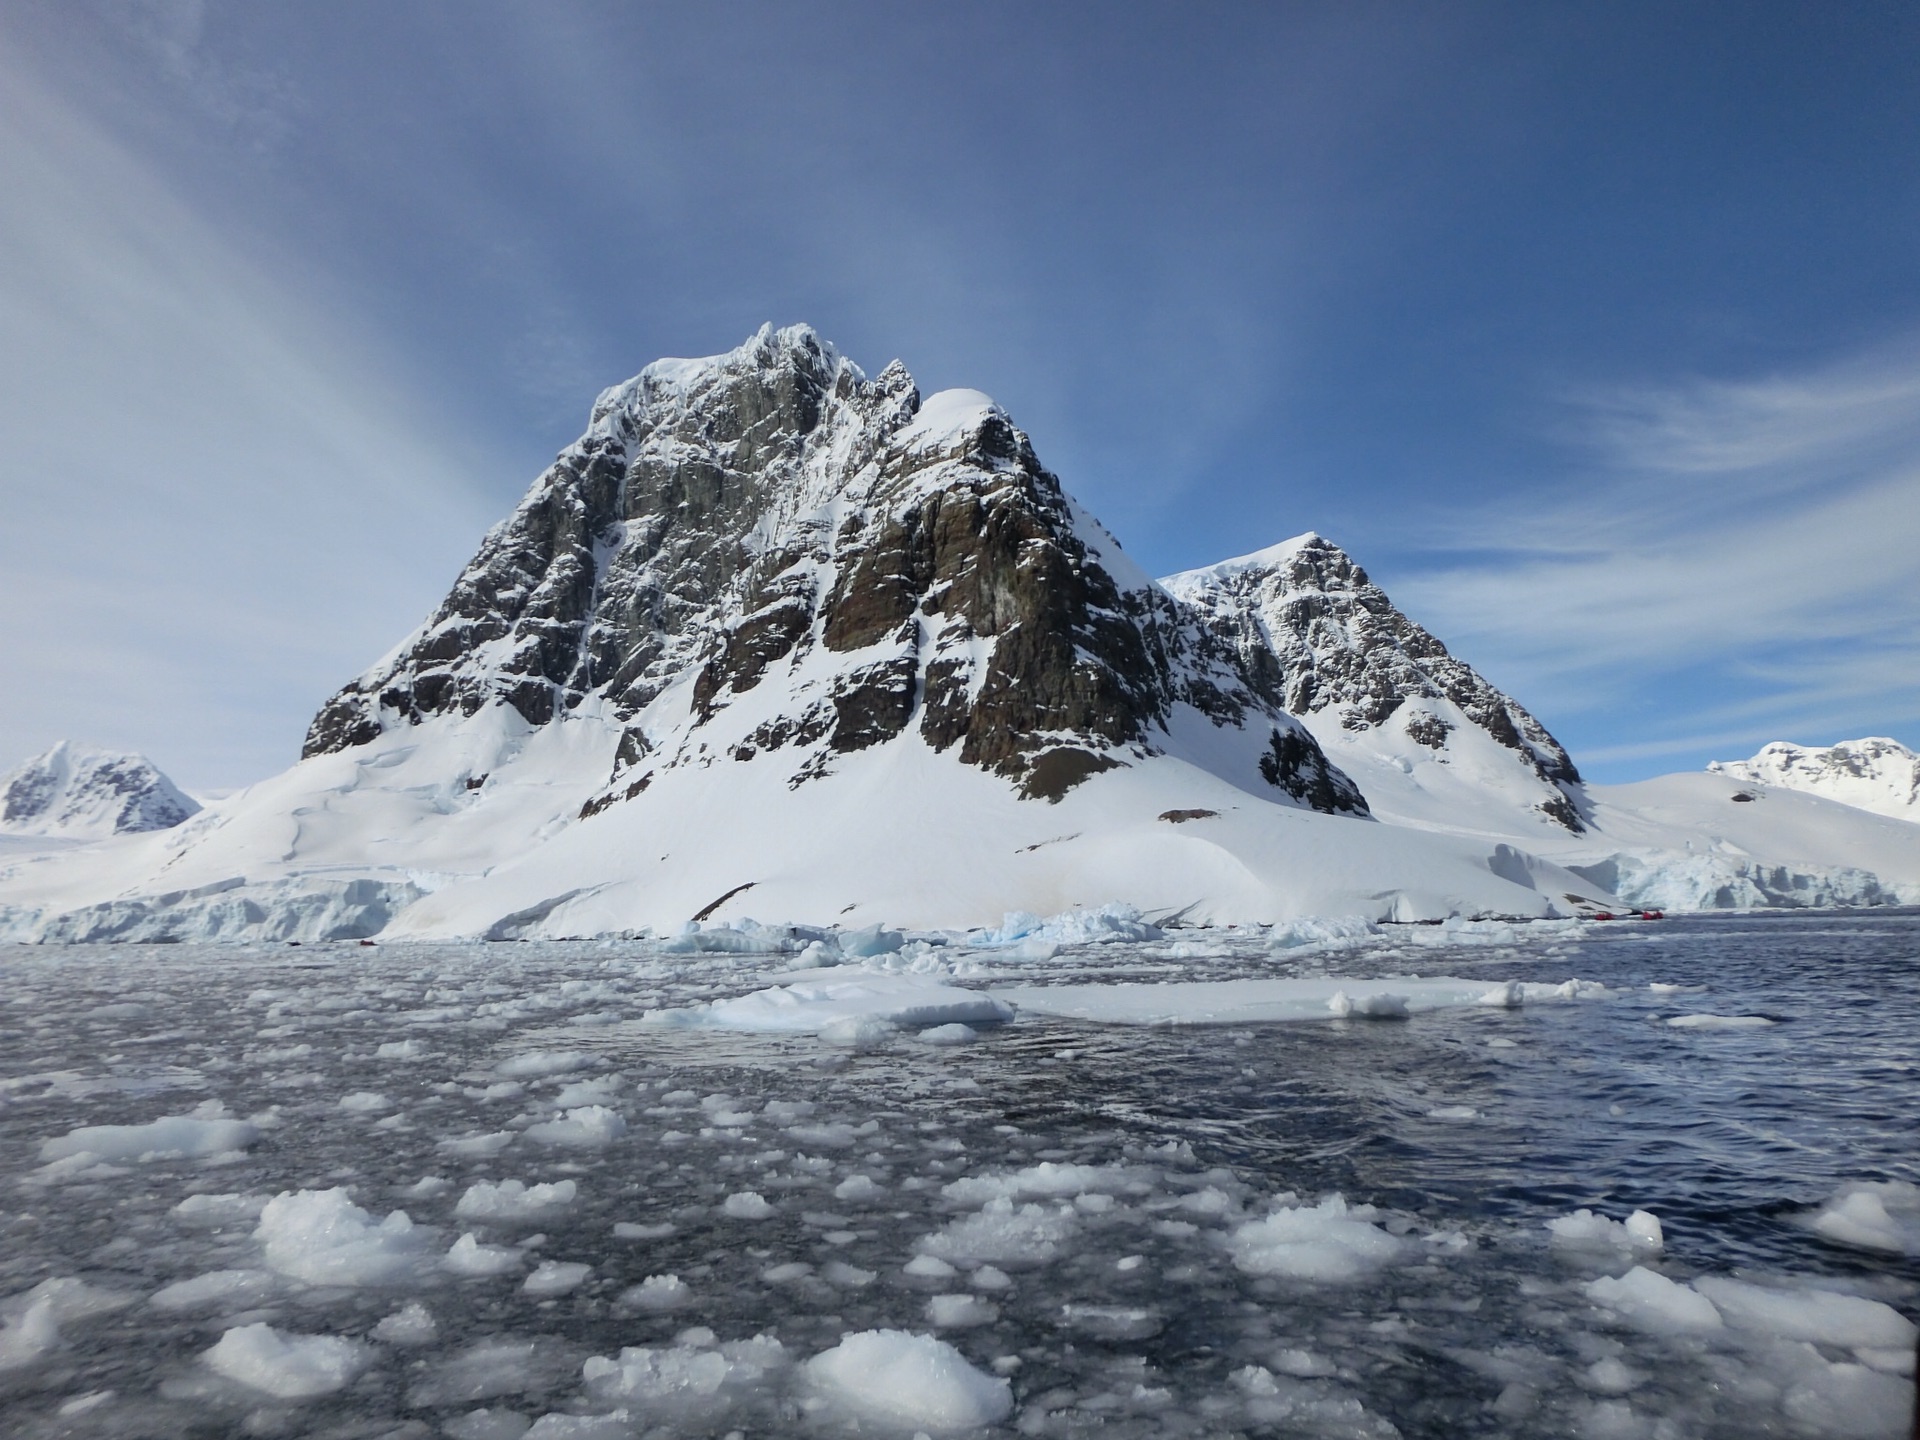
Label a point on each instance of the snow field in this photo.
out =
(926, 1245)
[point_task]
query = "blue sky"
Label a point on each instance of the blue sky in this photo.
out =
(1592, 331)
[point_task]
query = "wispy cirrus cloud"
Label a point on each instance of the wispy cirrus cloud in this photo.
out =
(1753, 545)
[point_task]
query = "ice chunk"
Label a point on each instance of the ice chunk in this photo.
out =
(585, 1127)
(537, 1064)
(1881, 1215)
(411, 1324)
(362, 1102)
(959, 1312)
(514, 1200)
(1378, 1006)
(29, 1335)
(952, 1034)
(811, 1006)
(1329, 1241)
(1239, 1002)
(469, 1257)
(556, 1277)
(657, 1293)
(857, 1187)
(929, 1267)
(894, 1378)
(208, 1130)
(1639, 1234)
(1003, 1235)
(288, 1367)
(1045, 1181)
(1719, 1022)
(323, 1238)
(1824, 1316)
(693, 1384)
(746, 1205)
(1650, 1301)
(236, 1289)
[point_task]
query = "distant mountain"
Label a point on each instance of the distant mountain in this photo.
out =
(76, 792)
(1316, 631)
(1874, 774)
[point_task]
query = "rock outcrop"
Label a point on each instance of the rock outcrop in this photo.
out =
(768, 553)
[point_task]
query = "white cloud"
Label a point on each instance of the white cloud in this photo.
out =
(218, 508)
(1765, 532)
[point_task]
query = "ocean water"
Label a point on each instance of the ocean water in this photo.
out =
(1330, 1228)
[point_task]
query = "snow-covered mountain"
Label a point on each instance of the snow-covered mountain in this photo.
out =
(1874, 774)
(775, 638)
(768, 555)
(1382, 695)
(76, 792)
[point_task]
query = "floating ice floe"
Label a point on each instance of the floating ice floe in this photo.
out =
(514, 1199)
(894, 1378)
(323, 1238)
(1720, 1022)
(1331, 1241)
(1803, 1313)
(1240, 1002)
(33, 1320)
(840, 1006)
(287, 1367)
(1870, 1215)
(467, 1256)
(693, 1383)
(1639, 1234)
(658, 1293)
(584, 1127)
(1649, 1301)
(207, 1131)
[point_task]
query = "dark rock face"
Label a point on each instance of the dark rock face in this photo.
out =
(768, 552)
(1323, 637)
(72, 790)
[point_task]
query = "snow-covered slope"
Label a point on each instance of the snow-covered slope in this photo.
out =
(1430, 741)
(1874, 774)
(79, 793)
(777, 639)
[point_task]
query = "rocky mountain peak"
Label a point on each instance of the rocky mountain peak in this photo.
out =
(74, 790)
(766, 556)
(1310, 624)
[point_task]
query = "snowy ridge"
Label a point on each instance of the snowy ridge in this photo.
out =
(1374, 687)
(1874, 774)
(77, 792)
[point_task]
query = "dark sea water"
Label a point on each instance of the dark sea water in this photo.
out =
(1124, 1297)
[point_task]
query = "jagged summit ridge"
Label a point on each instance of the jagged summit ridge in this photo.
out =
(1315, 628)
(767, 553)
(77, 791)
